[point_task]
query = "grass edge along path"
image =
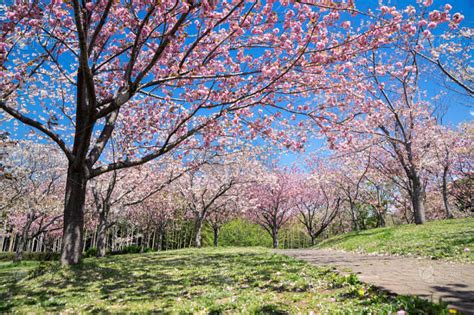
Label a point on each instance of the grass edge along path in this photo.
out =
(223, 280)
(450, 240)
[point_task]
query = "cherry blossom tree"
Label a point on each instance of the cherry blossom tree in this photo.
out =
(445, 142)
(317, 202)
(274, 197)
(221, 214)
(209, 188)
(392, 114)
(152, 215)
(462, 186)
(130, 188)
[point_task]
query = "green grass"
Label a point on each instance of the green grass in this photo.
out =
(449, 240)
(229, 280)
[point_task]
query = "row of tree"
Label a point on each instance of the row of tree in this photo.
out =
(349, 189)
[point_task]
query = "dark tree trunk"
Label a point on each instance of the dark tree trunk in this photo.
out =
(145, 239)
(313, 240)
(355, 221)
(381, 220)
(22, 240)
(101, 235)
(19, 249)
(417, 202)
(275, 237)
(216, 236)
(379, 211)
(73, 229)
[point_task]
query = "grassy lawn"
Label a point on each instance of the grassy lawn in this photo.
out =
(450, 240)
(229, 280)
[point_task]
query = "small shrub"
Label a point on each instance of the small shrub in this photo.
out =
(91, 252)
(47, 256)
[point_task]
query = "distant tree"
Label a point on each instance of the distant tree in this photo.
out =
(32, 191)
(274, 196)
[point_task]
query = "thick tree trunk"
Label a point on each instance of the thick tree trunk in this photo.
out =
(313, 240)
(417, 202)
(73, 229)
(275, 237)
(447, 207)
(101, 236)
(381, 220)
(19, 249)
(216, 236)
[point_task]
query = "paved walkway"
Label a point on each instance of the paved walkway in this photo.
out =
(430, 279)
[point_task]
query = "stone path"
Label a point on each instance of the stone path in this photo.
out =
(453, 283)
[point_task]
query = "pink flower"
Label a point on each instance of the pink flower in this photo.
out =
(432, 25)
(346, 25)
(435, 15)
(427, 3)
(466, 250)
(457, 18)
(448, 7)
(89, 6)
(11, 15)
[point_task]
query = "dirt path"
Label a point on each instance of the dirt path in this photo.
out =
(453, 283)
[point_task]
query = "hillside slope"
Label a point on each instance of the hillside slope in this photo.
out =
(449, 240)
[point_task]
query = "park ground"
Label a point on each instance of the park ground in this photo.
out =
(257, 279)
(208, 280)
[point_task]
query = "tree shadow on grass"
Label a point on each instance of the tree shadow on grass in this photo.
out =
(121, 283)
(135, 279)
(271, 309)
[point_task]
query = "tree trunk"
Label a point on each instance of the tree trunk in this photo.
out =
(417, 202)
(275, 237)
(11, 242)
(197, 232)
(382, 222)
(159, 241)
(73, 229)
(19, 249)
(22, 240)
(313, 240)
(447, 207)
(142, 243)
(101, 236)
(216, 236)
(355, 222)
